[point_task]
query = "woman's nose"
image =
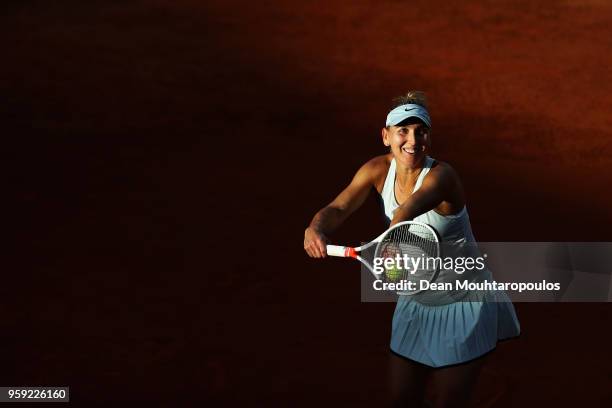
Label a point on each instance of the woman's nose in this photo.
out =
(410, 137)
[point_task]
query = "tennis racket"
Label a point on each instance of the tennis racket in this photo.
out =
(416, 244)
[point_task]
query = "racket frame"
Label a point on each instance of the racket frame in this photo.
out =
(353, 252)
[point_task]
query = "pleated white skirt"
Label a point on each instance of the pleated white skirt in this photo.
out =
(454, 333)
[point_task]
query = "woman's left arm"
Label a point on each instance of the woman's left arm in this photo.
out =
(436, 187)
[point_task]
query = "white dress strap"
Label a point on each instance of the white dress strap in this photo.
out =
(426, 167)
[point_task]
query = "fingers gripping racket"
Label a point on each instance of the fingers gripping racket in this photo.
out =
(413, 246)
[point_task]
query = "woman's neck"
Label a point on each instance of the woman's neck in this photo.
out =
(405, 174)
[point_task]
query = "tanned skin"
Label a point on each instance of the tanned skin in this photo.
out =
(409, 144)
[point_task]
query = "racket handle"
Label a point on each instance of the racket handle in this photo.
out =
(341, 251)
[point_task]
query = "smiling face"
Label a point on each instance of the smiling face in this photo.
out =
(409, 142)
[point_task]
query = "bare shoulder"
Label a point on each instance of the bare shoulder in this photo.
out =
(378, 164)
(376, 169)
(447, 179)
(444, 171)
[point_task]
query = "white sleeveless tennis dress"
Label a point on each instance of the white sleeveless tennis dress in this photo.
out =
(452, 333)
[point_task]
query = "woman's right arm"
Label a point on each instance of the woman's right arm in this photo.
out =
(335, 213)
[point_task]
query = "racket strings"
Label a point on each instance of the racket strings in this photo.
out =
(414, 250)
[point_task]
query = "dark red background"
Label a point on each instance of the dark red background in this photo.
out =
(163, 158)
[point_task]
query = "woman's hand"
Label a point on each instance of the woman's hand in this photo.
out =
(315, 243)
(352, 197)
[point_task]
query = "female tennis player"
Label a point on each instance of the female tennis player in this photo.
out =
(440, 341)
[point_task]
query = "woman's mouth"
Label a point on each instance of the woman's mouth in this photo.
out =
(409, 150)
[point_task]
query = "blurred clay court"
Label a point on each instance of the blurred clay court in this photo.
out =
(164, 157)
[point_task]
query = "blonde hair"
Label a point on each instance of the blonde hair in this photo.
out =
(416, 97)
